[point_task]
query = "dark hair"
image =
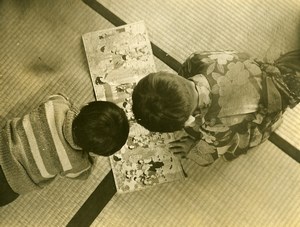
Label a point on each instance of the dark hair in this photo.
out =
(193, 65)
(161, 102)
(101, 127)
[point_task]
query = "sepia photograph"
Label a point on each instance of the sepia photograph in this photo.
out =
(122, 113)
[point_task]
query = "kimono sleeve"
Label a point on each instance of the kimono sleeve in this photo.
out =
(203, 154)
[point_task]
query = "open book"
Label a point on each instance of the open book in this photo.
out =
(118, 58)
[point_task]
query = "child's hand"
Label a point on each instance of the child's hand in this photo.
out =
(181, 147)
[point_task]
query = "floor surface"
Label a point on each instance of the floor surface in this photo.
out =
(42, 53)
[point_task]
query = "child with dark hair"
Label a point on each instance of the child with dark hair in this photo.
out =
(226, 101)
(163, 101)
(57, 139)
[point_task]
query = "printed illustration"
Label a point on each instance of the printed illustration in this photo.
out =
(118, 58)
(145, 159)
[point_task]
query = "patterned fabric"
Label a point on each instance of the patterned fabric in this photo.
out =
(38, 146)
(285, 74)
(246, 101)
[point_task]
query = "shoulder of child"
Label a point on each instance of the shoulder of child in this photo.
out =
(58, 96)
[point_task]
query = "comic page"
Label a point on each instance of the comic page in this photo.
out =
(120, 55)
(145, 161)
(118, 58)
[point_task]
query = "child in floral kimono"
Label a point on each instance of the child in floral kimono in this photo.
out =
(226, 101)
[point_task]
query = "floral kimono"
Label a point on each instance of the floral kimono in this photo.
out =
(241, 101)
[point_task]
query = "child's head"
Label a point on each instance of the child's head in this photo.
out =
(163, 101)
(101, 128)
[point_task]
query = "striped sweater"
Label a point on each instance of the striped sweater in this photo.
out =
(39, 146)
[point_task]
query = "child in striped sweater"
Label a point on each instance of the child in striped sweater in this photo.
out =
(57, 139)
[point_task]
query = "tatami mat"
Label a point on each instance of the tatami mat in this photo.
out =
(290, 129)
(56, 204)
(42, 53)
(258, 189)
(262, 28)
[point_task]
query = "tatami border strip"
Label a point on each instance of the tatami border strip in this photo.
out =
(95, 203)
(285, 146)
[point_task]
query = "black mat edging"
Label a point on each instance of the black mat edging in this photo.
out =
(95, 203)
(286, 147)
